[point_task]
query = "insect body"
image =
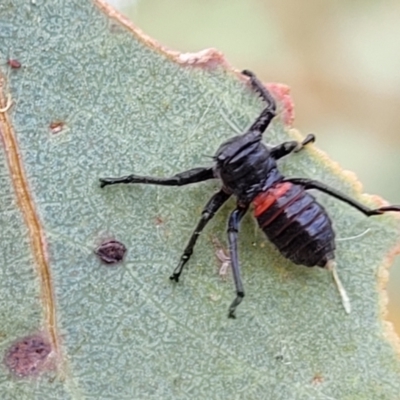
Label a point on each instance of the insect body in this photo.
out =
(296, 224)
(290, 217)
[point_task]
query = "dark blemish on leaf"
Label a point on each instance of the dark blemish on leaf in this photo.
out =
(158, 220)
(57, 126)
(28, 356)
(116, 28)
(111, 252)
(14, 64)
(282, 359)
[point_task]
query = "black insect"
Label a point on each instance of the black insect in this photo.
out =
(291, 218)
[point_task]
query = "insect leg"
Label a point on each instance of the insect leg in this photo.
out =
(262, 122)
(183, 178)
(233, 229)
(286, 148)
(209, 210)
(311, 184)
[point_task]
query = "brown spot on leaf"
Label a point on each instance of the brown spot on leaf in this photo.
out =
(56, 126)
(317, 379)
(111, 252)
(28, 356)
(14, 64)
(158, 220)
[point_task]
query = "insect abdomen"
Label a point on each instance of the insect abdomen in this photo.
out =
(296, 224)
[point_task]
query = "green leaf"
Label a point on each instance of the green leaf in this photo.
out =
(94, 98)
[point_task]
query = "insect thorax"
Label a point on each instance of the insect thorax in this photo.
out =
(246, 167)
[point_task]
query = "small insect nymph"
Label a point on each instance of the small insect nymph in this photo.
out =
(290, 217)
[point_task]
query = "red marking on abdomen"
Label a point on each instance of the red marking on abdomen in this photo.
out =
(264, 200)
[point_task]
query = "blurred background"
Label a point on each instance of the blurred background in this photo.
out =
(341, 59)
